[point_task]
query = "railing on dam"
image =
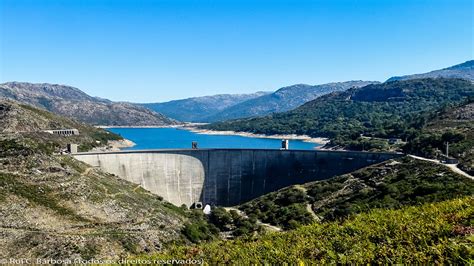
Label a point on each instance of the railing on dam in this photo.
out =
(226, 176)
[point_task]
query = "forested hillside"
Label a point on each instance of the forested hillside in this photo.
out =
(284, 99)
(397, 109)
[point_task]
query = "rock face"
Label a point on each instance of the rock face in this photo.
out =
(72, 102)
(282, 100)
(462, 71)
(199, 109)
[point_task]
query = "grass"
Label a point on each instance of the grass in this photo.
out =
(36, 194)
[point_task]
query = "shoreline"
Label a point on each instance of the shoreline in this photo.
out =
(305, 138)
(191, 127)
(116, 145)
(170, 126)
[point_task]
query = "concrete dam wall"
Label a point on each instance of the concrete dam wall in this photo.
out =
(226, 177)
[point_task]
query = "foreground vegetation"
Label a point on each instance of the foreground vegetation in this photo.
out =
(431, 233)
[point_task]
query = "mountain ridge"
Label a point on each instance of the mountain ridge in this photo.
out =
(196, 109)
(74, 103)
(463, 71)
(284, 99)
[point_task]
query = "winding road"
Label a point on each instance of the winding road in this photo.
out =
(453, 167)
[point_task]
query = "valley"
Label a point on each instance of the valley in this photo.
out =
(378, 191)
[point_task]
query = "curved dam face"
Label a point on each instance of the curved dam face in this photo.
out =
(226, 177)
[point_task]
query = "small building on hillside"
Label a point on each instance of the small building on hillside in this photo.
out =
(63, 132)
(393, 141)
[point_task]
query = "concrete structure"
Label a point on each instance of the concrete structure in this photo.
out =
(63, 132)
(226, 177)
(285, 144)
(72, 148)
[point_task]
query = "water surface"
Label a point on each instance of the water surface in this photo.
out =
(173, 138)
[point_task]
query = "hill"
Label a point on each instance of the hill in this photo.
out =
(427, 234)
(17, 118)
(462, 71)
(73, 103)
(454, 125)
(388, 185)
(284, 99)
(389, 110)
(198, 109)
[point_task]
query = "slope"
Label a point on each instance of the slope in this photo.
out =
(52, 206)
(439, 233)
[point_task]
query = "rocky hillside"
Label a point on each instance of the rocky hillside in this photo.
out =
(199, 109)
(52, 206)
(17, 118)
(56, 207)
(282, 100)
(73, 103)
(462, 71)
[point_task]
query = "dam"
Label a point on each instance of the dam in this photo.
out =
(226, 177)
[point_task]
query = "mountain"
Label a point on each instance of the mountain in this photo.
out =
(72, 102)
(392, 109)
(462, 71)
(284, 99)
(198, 109)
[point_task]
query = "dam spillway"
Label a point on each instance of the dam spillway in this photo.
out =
(226, 177)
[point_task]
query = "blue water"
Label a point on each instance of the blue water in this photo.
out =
(171, 138)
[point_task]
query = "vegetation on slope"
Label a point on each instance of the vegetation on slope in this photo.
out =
(432, 233)
(30, 121)
(454, 125)
(389, 110)
(390, 185)
(56, 207)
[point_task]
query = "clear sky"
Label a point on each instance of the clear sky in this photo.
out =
(149, 51)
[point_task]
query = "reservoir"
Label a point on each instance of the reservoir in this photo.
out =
(176, 138)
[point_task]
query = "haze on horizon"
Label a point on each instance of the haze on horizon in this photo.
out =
(152, 51)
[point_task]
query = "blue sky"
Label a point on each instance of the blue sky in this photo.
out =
(149, 51)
